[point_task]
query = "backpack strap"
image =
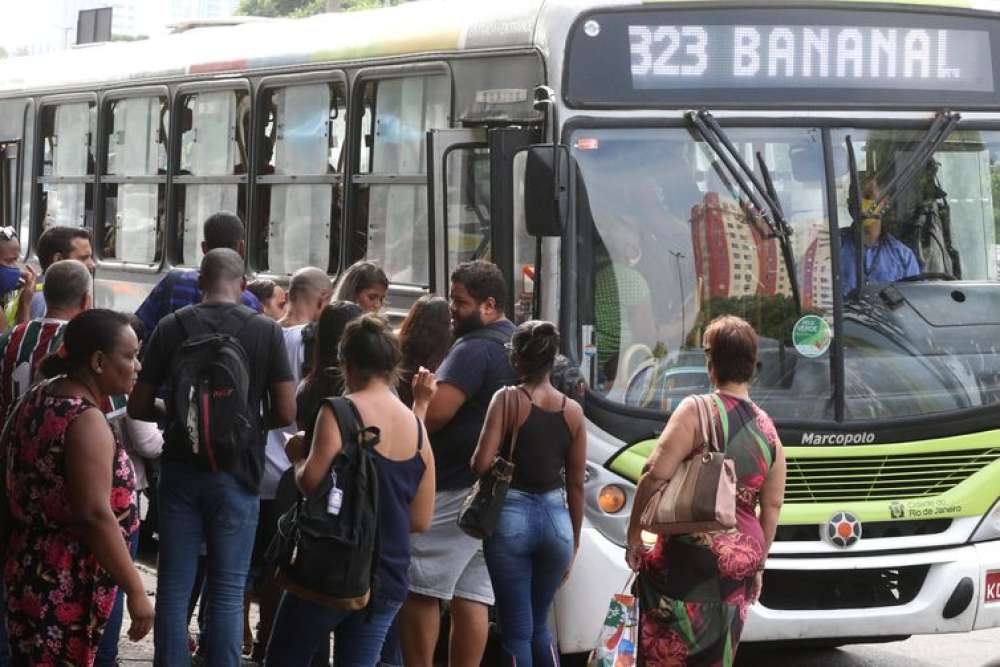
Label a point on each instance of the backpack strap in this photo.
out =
(352, 428)
(489, 333)
(191, 325)
(236, 319)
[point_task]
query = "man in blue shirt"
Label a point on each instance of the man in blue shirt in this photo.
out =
(446, 563)
(886, 259)
(179, 287)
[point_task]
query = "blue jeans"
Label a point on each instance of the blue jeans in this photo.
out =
(107, 649)
(198, 506)
(300, 626)
(527, 556)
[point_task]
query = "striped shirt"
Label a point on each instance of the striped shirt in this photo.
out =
(177, 289)
(21, 351)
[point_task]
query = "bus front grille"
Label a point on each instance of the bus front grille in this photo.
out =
(898, 476)
(842, 589)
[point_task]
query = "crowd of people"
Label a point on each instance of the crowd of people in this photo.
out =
(232, 428)
(228, 466)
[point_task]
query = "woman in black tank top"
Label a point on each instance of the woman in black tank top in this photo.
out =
(531, 551)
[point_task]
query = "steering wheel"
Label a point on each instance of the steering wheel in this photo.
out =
(631, 361)
(931, 275)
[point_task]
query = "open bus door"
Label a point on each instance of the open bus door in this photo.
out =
(471, 198)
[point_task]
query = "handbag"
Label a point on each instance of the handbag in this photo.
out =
(618, 641)
(701, 496)
(481, 507)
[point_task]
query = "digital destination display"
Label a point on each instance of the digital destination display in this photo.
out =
(756, 55)
(813, 56)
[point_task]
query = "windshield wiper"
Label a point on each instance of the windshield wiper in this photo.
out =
(944, 124)
(762, 196)
(942, 127)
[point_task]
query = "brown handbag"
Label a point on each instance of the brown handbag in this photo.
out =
(701, 496)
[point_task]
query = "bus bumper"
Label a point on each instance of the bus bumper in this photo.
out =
(952, 597)
(600, 572)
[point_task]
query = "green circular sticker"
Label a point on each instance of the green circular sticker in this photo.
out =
(811, 336)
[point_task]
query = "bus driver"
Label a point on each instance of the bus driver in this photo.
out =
(886, 258)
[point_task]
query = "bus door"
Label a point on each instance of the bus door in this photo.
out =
(471, 200)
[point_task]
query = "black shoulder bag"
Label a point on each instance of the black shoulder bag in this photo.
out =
(481, 508)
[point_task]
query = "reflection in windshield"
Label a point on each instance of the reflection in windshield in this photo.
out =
(666, 247)
(673, 249)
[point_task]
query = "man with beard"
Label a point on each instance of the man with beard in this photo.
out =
(446, 563)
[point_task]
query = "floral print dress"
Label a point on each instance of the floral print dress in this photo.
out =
(694, 589)
(58, 597)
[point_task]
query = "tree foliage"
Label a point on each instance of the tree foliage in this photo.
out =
(296, 8)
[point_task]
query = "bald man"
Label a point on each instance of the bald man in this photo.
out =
(197, 505)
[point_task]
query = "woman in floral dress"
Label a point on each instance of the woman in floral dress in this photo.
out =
(70, 500)
(695, 590)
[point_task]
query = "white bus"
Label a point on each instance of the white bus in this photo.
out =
(421, 136)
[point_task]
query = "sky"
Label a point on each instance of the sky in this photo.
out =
(32, 21)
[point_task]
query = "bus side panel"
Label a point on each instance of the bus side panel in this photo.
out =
(598, 574)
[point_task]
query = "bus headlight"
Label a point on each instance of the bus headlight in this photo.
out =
(611, 499)
(989, 527)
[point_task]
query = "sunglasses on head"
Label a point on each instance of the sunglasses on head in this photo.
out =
(8, 233)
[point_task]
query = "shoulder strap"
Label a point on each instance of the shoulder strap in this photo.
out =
(189, 322)
(515, 427)
(706, 417)
(236, 319)
(352, 427)
(420, 434)
(487, 333)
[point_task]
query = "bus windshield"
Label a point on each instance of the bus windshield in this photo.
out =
(670, 248)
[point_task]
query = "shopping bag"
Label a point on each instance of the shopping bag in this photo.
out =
(616, 646)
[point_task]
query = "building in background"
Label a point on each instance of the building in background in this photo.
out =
(51, 24)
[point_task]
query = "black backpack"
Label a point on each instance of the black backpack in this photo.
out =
(209, 389)
(332, 558)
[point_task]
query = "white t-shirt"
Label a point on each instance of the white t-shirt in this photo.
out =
(275, 460)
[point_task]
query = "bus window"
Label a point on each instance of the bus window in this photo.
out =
(134, 179)
(303, 136)
(66, 176)
(213, 158)
(467, 203)
(944, 225)
(391, 223)
(670, 249)
(8, 184)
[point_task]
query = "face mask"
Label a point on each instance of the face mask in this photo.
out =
(10, 276)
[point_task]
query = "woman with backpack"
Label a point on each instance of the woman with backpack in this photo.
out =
(370, 358)
(533, 546)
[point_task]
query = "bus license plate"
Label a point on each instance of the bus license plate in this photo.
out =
(993, 586)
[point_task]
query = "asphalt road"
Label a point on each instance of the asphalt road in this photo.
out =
(975, 649)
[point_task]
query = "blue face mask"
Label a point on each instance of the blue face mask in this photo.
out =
(10, 276)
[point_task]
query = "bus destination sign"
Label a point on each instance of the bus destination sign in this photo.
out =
(814, 56)
(766, 56)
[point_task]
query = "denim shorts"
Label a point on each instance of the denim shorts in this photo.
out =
(446, 562)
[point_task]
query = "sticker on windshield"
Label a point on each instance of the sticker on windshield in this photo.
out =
(811, 336)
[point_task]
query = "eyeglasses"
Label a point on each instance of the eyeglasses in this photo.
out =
(8, 233)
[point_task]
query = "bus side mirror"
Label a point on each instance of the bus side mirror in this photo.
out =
(545, 192)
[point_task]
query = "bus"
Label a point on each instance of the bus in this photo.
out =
(635, 169)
